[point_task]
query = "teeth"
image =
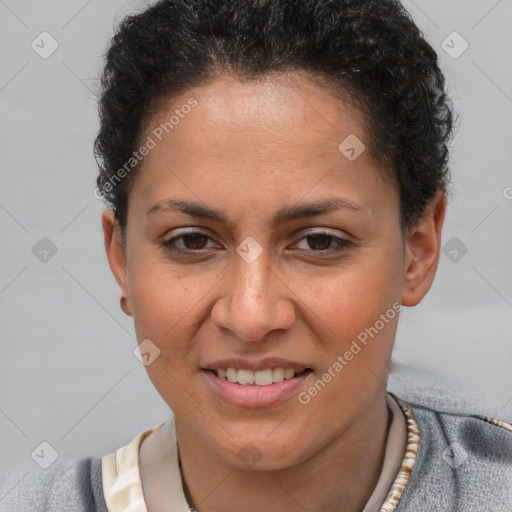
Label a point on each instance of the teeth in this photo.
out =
(245, 377)
(232, 375)
(278, 374)
(258, 378)
(288, 374)
(262, 377)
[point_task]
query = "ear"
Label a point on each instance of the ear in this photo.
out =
(116, 256)
(422, 250)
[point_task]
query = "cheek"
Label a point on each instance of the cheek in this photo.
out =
(349, 299)
(166, 309)
(355, 318)
(167, 302)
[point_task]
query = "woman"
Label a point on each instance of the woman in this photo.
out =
(276, 176)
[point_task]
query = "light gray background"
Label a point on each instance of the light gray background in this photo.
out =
(68, 373)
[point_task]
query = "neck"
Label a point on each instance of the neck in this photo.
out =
(341, 476)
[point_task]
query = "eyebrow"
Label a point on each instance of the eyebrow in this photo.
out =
(286, 214)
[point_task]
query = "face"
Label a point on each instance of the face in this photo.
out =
(254, 243)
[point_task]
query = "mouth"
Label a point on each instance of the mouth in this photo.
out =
(255, 389)
(266, 377)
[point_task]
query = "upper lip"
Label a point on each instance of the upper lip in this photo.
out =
(260, 364)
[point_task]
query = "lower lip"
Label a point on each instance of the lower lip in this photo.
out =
(253, 396)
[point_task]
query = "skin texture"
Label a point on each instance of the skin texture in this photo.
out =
(250, 149)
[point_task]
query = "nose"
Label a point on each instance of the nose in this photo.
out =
(254, 302)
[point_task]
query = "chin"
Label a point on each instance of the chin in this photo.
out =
(261, 454)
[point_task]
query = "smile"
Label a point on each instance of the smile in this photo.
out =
(256, 389)
(256, 378)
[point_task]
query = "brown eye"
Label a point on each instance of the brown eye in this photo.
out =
(194, 241)
(323, 243)
(319, 241)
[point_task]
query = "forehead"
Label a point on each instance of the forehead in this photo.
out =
(285, 132)
(292, 107)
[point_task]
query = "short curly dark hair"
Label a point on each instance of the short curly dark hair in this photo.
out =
(369, 49)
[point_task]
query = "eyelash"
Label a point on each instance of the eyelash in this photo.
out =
(343, 244)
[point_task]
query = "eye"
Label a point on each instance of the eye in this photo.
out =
(190, 242)
(323, 242)
(196, 242)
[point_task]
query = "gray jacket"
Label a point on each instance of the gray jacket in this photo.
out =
(464, 464)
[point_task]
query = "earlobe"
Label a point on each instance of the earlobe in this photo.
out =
(116, 256)
(422, 250)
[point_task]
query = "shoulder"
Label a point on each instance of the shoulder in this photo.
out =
(488, 440)
(464, 462)
(76, 488)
